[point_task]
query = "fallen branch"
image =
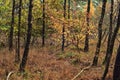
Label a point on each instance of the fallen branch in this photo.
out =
(81, 71)
(9, 74)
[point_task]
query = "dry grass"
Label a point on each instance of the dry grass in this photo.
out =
(45, 64)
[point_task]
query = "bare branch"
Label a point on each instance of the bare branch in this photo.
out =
(10, 73)
(86, 68)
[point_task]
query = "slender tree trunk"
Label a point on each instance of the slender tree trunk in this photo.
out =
(68, 34)
(26, 50)
(86, 48)
(116, 72)
(110, 31)
(68, 9)
(67, 42)
(63, 29)
(12, 27)
(112, 41)
(43, 28)
(95, 61)
(17, 56)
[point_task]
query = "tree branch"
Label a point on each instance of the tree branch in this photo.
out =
(10, 73)
(86, 68)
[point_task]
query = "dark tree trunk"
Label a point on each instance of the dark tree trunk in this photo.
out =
(43, 28)
(63, 29)
(112, 41)
(110, 32)
(67, 41)
(17, 56)
(68, 9)
(116, 72)
(95, 61)
(26, 50)
(12, 28)
(86, 48)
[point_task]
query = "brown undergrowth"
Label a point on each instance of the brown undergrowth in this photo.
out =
(46, 64)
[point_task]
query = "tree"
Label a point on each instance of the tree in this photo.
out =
(43, 28)
(110, 31)
(12, 27)
(26, 50)
(17, 56)
(99, 33)
(116, 72)
(112, 41)
(86, 48)
(63, 29)
(69, 9)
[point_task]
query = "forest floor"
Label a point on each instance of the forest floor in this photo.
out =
(50, 64)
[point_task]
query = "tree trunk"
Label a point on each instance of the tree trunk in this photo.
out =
(43, 28)
(86, 48)
(63, 29)
(116, 72)
(17, 56)
(26, 50)
(112, 41)
(68, 9)
(110, 32)
(95, 61)
(12, 28)
(68, 34)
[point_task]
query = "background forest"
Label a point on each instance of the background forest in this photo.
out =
(59, 39)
